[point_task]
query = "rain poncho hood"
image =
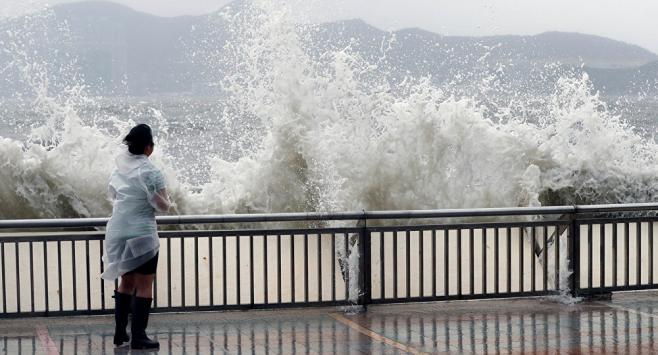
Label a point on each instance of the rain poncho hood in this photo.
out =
(132, 236)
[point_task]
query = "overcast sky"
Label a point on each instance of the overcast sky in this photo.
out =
(632, 21)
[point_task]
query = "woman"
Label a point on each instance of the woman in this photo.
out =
(131, 242)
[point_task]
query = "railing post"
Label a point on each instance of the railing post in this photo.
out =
(574, 255)
(364, 266)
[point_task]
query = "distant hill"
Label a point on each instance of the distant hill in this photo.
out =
(549, 47)
(642, 79)
(123, 52)
(419, 52)
(128, 53)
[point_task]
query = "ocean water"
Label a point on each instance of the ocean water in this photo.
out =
(291, 133)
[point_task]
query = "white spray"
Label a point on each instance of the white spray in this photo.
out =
(335, 135)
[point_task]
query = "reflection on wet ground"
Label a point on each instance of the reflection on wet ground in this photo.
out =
(623, 325)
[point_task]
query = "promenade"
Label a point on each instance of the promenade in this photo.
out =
(517, 326)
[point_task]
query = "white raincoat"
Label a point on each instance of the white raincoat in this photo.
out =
(131, 238)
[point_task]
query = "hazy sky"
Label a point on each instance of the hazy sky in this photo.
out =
(632, 21)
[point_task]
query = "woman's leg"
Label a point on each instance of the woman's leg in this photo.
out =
(144, 285)
(141, 310)
(122, 301)
(127, 284)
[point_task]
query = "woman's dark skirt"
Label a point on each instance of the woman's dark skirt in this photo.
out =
(148, 268)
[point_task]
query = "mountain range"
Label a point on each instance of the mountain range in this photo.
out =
(122, 52)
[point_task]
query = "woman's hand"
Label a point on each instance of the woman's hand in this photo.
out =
(161, 201)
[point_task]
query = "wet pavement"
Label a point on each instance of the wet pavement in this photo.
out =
(517, 326)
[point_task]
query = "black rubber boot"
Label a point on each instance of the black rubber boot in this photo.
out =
(140, 320)
(121, 311)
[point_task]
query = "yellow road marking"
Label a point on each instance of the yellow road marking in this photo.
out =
(378, 337)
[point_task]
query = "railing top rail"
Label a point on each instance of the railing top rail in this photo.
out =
(634, 207)
(335, 216)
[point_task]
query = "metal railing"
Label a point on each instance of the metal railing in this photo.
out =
(53, 267)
